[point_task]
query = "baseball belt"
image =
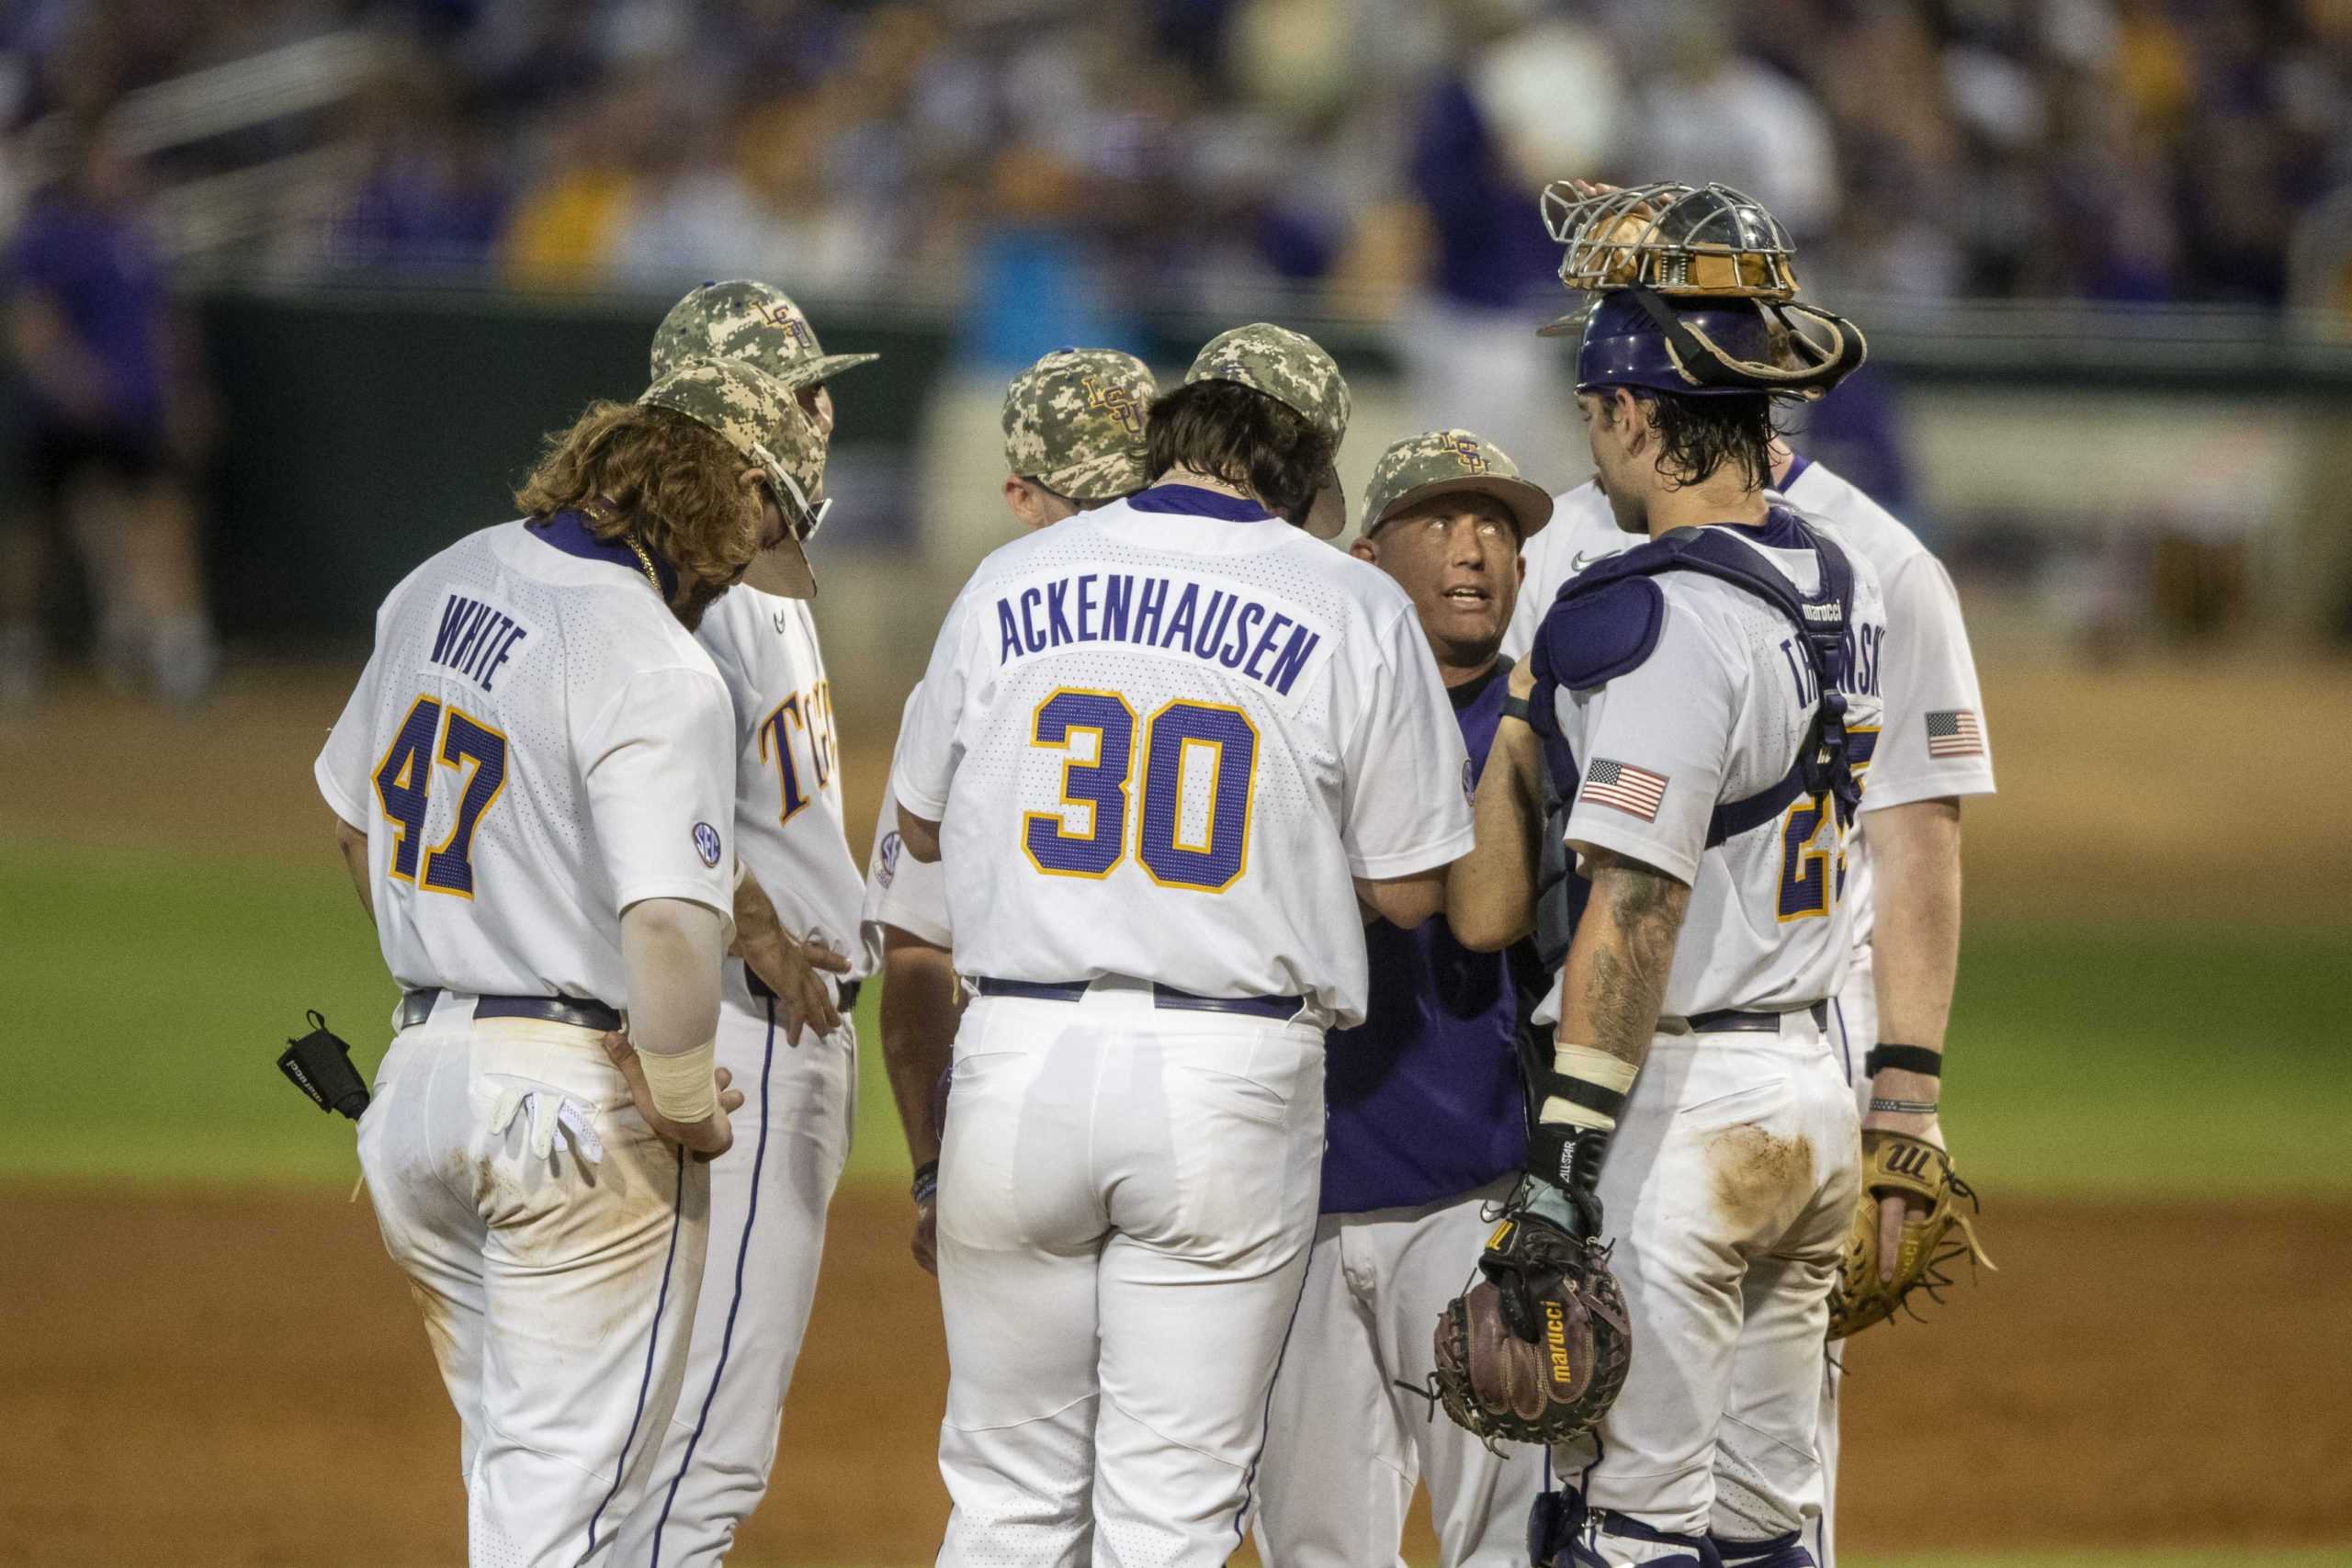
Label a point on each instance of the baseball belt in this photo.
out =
(1734, 1020)
(844, 991)
(1280, 1008)
(579, 1012)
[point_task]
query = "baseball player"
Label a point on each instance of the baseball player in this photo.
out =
(1073, 442)
(1903, 866)
(532, 785)
(1171, 748)
(1427, 1119)
(783, 1029)
(1693, 699)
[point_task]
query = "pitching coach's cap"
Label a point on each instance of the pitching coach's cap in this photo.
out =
(1292, 368)
(1073, 422)
(1441, 462)
(756, 322)
(757, 415)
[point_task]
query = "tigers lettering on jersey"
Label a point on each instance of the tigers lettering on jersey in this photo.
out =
(1172, 614)
(807, 717)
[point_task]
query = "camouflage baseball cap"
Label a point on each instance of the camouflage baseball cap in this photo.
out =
(1293, 369)
(1074, 423)
(760, 418)
(756, 322)
(1439, 462)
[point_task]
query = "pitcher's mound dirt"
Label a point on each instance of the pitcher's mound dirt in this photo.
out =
(241, 1380)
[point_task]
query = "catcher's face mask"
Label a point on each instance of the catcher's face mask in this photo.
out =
(1679, 240)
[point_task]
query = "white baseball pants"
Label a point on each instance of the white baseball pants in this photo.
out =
(1727, 1192)
(768, 1197)
(555, 1247)
(1127, 1195)
(1345, 1443)
(1853, 1026)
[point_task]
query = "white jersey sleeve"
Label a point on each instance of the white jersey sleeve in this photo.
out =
(902, 891)
(658, 761)
(1935, 742)
(1405, 734)
(343, 767)
(1656, 742)
(923, 765)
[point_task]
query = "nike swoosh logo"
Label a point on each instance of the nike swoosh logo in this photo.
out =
(1580, 560)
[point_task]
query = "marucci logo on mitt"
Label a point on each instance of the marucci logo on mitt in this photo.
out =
(1537, 1349)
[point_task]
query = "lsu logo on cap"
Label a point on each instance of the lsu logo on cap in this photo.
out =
(787, 321)
(1117, 402)
(706, 844)
(1466, 452)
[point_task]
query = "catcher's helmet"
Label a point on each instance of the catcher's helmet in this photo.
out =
(1716, 346)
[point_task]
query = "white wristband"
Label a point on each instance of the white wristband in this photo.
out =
(685, 1085)
(1592, 1066)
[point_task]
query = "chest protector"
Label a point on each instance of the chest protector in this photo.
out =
(1606, 621)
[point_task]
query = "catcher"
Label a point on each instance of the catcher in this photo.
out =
(1694, 700)
(1903, 877)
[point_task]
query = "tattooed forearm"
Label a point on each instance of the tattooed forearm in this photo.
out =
(1617, 967)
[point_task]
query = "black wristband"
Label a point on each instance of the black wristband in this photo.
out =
(1908, 1058)
(926, 1185)
(1610, 1102)
(1516, 707)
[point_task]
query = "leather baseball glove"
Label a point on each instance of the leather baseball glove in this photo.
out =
(1536, 1351)
(1895, 1165)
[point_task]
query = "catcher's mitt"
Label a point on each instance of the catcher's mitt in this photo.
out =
(1536, 1351)
(1897, 1165)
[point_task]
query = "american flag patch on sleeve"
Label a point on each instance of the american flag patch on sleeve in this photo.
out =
(1955, 732)
(1638, 792)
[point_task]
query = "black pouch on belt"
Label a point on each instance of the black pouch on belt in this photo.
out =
(319, 1065)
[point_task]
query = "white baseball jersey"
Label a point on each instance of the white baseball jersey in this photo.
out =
(1162, 738)
(788, 767)
(535, 744)
(1933, 742)
(1714, 715)
(900, 890)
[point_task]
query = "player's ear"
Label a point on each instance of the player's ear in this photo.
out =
(1365, 551)
(1023, 506)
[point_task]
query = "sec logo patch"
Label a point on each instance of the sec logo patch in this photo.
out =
(887, 870)
(706, 842)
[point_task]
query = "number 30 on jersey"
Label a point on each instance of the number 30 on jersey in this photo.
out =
(1199, 767)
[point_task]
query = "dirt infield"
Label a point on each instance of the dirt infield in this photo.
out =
(241, 1380)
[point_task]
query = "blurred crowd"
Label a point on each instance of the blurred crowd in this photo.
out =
(1173, 151)
(1051, 169)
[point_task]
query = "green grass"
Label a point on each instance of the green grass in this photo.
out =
(147, 997)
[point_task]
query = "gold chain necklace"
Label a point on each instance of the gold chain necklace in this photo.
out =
(644, 564)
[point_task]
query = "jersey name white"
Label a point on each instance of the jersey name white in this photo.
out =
(1716, 715)
(535, 745)
(788, 767)
(1163, 737)
(1928, 672)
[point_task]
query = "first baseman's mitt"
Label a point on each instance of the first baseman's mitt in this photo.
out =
(1897, 1165)
(1536, 1351)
